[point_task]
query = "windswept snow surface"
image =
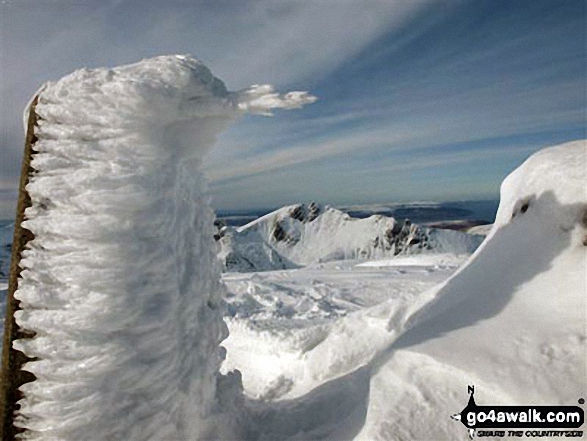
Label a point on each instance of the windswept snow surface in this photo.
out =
(512, 321)
(121, 283)
(300, 235)
(396, 363)
(290, 331)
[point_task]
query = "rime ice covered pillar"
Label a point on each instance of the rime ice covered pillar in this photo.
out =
(121, 283)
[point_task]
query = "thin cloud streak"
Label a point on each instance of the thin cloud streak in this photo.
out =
(460, 93)
(396, 81)
(418, 130)
(392, 179)
(244, 42)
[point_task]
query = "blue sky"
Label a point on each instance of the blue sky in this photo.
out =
(418, 100)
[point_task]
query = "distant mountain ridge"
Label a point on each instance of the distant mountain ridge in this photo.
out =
(302, 234)
(425, 213)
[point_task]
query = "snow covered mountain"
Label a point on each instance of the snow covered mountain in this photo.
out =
(299, 235)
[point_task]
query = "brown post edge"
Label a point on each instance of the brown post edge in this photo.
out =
(12, 376)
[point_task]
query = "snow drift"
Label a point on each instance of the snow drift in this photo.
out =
(291, 331)
(121, 283)
(299, 235)
(511, 322)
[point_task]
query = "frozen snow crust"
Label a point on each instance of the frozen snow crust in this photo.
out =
(121, 283)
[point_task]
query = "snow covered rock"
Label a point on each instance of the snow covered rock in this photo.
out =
(299, 235)
(511, 321)
(121, 283)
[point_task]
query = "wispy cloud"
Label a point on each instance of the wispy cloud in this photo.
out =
(402, 85)
(244, 42)
(430, 175)
(390, 128)
(456, 76)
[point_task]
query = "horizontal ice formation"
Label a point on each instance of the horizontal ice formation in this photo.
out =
(121, 283)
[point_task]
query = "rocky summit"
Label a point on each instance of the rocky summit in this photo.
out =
(303, 234)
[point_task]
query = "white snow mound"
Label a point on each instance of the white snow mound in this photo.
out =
(511, 321)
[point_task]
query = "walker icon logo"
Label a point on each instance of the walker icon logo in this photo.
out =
(510, 419)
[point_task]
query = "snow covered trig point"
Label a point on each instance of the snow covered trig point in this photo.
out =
(119, 282)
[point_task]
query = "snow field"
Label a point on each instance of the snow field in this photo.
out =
(291, 331)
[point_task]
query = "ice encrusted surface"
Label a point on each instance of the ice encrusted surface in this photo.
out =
(121, 283)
